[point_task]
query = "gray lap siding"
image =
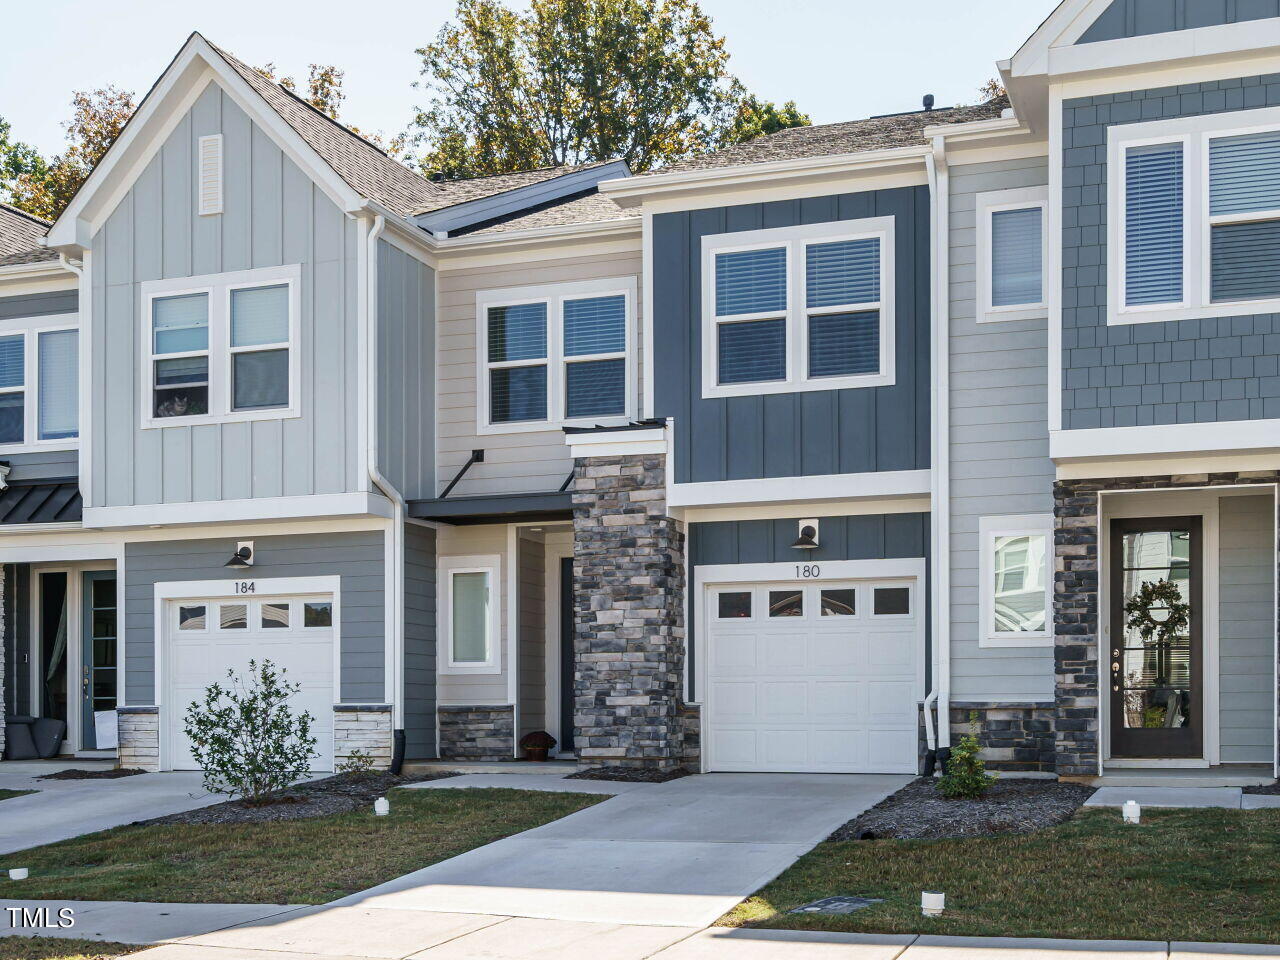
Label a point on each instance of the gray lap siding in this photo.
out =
(357, 557)
(1185, 371)
(791, 434)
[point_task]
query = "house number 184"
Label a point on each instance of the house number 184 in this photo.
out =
(246, 586)
(808, 571)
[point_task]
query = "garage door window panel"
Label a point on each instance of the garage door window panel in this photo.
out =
(839, 603)
(786, 603)
(892, 602)
(734, 605)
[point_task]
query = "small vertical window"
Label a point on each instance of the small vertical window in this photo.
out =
(12, 388)
(469, 634)
(1016, 257)
(595, 345)
(59, 403)
(180, 344)
(1015, 579)
(1153, 224)
(751, 283)
(260, 347)
(842, 300)
(517, 362)
(1244, 217)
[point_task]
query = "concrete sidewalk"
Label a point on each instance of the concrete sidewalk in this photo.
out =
(1226, 798)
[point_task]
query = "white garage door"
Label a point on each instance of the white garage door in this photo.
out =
(208, 637)
(814, 677)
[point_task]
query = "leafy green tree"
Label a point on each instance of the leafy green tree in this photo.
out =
(759, 118)
(17, 159)
(324, 92)
(574, 81)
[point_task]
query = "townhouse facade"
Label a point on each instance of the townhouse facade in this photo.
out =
(798, 457)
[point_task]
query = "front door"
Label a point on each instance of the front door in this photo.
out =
(1156, 684)
(98, 652)
(567, 632)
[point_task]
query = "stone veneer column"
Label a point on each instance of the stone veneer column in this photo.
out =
(629, 616)
(363, 727)
(138, 732)
(1075, 628)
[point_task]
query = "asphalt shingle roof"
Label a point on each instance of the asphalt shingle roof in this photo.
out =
(586, 207)
(20, 235)
(853, 136)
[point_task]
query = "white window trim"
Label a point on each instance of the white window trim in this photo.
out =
(796, 240)
(490, 564)
(1194, 133)
(218, 288)
(554, 295)
(997, 201)
(30, 328)
(989, 528)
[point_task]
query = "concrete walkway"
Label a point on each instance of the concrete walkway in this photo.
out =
(677, 854)
(62, 809)
(1226, 798)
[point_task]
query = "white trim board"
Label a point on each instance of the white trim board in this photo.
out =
(261, 508)
(774, 490)
(1175, 438)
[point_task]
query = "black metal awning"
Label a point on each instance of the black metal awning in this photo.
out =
(496, 508)
(41, 501)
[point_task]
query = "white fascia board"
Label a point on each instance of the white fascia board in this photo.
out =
(613, 443)
(1174, 438)
(45, 270)
(196, 65)
(1066, 24)
(976, 129)
(520, 198)
(836, 486)
(214, 511)
(632, 191)
(559, 233)
(1251, 37)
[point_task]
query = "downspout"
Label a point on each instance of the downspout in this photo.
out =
(394, 582)
(940, 534)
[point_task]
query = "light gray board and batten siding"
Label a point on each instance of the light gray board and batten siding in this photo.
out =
(1141, 18)
(419, 641)
(273, 215)
(887, 536)
(999, 440)
(791, 434)
(406, 358)
(1246, 628)
(515, 462)
(357, 557)
(1179, 371)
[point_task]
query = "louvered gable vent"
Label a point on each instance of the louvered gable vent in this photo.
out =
(210, 175)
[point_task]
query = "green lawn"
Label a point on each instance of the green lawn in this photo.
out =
(8, 794)
(1181, 875)
(55, 948)
(300, 861)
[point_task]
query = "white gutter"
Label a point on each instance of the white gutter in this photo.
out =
(84, 376)
(940, 539)
(393, 579)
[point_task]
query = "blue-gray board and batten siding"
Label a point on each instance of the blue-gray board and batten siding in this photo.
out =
(357, 557)
(1183, 371)
(39, 304)
(1141, 18)
(419, 641)
(17, 639)
(887, 536)
(791, 434)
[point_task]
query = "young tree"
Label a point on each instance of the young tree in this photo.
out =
(573, 81)
(759, 118)
(44, 188)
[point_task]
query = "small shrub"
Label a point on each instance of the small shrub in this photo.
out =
(357, 763)
(245, 738)
(966, 776)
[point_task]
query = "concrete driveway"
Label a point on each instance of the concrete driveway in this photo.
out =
(677, 854)
(68, 808)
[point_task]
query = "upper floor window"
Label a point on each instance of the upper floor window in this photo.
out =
(555, 354)
(221, 348)
(1194, 219)
(39, 383)
(1011, 254)
(1015, 576)
(798, 308)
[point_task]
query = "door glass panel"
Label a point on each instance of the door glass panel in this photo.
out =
(233, 616)
(104, 651)
(1153, 675)
(839, 603)
(734, 606)
(786, 603)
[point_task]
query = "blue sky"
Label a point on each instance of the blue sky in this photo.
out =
(838, 59)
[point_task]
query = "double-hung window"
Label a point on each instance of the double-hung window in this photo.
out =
(1011, 254)
(555, 354)
(221, 348)
(798, 308)
(1194, 217)
(39, 383)
(470, 615)
(1015, 577)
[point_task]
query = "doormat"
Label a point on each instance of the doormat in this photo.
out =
(837, 905)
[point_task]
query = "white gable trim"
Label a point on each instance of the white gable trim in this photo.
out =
(195, 67)
(1064, 26)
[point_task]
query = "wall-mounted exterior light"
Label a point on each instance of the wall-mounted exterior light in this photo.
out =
(808, 538)
(243, 557)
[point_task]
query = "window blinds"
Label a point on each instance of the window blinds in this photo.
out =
(1153, 224)
(751, 281)
(59, 384)
(1016, 255)
(847, 271)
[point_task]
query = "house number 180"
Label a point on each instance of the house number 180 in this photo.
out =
(808, 571)
(246, 586)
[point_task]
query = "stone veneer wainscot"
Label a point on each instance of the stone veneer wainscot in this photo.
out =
(363, 727)
(629, 616)
(477, 732)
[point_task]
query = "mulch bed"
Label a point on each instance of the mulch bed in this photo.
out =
(918, 811)
(628, 774)
(1267, 789)
(92, 774)
(340, 793)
